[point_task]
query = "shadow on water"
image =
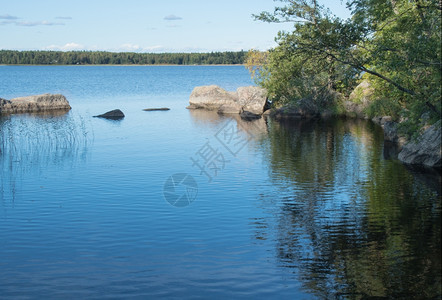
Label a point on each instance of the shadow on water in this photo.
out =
(30, 143)
(350, 223)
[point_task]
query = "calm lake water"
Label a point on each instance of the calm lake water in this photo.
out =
(191, 204)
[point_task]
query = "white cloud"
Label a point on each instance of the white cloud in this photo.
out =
(8, 17)
(13, 20)
(130, 47)
(67, 47)
(38, 23)
(172, 18)
(6, 22)
(157, 48)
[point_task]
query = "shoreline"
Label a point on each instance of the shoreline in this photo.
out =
(421, 152)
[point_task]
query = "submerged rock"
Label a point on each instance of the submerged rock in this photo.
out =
(252, 99)
(115, 114)
(36, 103)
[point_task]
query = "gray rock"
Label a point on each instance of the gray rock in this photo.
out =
(249, 116)
(156, 109)
(426, 150)
(359, 100)
(267, 112)
(36, 103)
(391, 133)
(362, 93)
(251, 99)
(377, 120)
(115, 114)
(213, 98)
(382, 120)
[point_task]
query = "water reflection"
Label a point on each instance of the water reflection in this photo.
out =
(350, 223)
(30, 143)
(255, 129)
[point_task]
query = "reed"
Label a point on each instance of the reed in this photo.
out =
(30, 143)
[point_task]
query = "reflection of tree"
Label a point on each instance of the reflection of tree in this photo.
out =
(351, 224)
(32, 142)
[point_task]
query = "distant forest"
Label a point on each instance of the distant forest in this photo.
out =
(12, 57)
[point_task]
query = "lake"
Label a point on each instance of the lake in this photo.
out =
(192, 204)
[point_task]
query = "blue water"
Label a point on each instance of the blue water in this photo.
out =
(292, 210)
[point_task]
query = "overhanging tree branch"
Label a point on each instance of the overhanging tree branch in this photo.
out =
(360, 67)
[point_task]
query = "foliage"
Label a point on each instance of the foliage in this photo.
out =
(12, 57)
(255, 61)
(397, 44)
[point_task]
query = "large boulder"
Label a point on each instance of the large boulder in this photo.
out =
(426, 150)
(359, 100)
(251, 99)
(37, 103)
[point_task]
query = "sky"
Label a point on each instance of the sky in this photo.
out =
(140, 25)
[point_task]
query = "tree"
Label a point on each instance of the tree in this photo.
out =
(396, 44)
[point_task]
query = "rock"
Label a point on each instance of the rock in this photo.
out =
(211, 98)
(362, 93)
(249, 116)
(115, 114)
(359, 100)
(251, 99)
(391, 134)
(155, 109)
(36, 103)
(268, 112)
(382, 120)
(426, 150)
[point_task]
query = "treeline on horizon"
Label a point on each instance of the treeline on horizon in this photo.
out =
(14, 57)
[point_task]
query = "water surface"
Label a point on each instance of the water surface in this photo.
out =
(293, 210)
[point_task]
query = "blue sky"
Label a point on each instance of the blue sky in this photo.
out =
(140, 26)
